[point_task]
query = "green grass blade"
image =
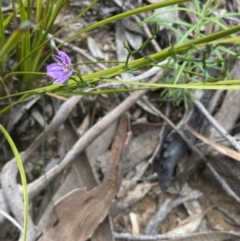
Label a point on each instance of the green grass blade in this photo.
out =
(12, 42)
(2, 36)
(23, 179)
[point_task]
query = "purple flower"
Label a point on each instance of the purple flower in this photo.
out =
(62, 69)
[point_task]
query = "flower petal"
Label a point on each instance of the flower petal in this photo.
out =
(55, 67)
(64, 57)
(63, 78)
(57, 58)
(54, 70)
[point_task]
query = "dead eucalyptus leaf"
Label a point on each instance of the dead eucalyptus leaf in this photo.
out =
(190, 224)
(132, 197)
(94, 48)
(135, 40)
(224, 150)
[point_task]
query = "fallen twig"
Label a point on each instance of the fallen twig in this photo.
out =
(218, 127)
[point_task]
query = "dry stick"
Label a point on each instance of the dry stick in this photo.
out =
(224, 184)
(217, 126)
(146, 237)
(213, 235)
(211, 106)
(12, 220)
(214, 100)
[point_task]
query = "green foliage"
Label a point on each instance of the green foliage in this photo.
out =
(197, 59)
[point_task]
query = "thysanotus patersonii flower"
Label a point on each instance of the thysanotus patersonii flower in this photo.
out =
(62, 69)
